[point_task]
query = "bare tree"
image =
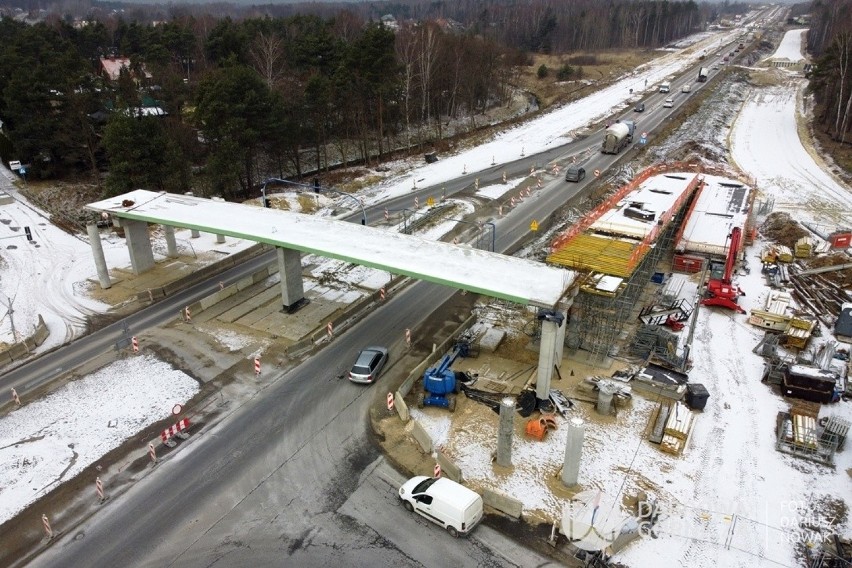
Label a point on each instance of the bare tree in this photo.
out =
(406, 52)
(267, 57)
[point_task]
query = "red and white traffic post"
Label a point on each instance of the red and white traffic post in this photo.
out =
(187, 316)
(152, 453)
(390, 401)
(99, 487)
(135, 343)
(16, 398)
(437, 470)
(257, 366)
(46, 524)
(408, 337)
(329, 329)
(382, 293)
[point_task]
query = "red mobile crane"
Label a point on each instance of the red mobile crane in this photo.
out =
(721, 291)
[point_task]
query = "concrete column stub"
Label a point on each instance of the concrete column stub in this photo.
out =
(573, 451)
(505, 432)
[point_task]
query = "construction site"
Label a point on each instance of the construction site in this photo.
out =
(667, 244)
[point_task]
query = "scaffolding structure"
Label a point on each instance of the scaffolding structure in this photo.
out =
(598, 321)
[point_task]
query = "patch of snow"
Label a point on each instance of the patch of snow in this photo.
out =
(51, 440)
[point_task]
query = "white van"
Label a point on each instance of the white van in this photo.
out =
(686, 88)
(665, 87)
(444, 502)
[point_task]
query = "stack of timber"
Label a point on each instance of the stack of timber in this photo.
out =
(799, 434)
(678, 429)
(804, 247)
(803, 430)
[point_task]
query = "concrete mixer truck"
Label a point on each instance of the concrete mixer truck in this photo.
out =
(616, 137)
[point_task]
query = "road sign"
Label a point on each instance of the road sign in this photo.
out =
(597, 173)
(430, 202)
(644, 135)
(177, 409)
(534, 225)
(643, 140)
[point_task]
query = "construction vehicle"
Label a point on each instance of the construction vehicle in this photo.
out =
(440, 383)
(722, 291)
(616, 137)
(702, 74)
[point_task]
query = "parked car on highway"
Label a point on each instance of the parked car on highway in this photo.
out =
(669, 103)
(639, 108)
(368, 365)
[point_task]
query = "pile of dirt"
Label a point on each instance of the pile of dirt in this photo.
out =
(782, 229)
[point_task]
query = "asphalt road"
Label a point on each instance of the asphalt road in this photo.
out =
(291, 478)
(281, 482)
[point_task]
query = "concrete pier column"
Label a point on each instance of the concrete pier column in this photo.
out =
(560, 341)
(546, 355)
(505, 432)
(171, 243)
(573, 452)
(139, 245)
(606, 389)
(290, 269)
(98, 254)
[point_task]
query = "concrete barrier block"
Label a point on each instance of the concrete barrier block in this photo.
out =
(41, 332)
(401, 407)
(449, 467)
(18, 350)
(419, 434)
(503, 503)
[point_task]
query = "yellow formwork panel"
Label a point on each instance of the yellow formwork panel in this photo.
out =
(598, 254)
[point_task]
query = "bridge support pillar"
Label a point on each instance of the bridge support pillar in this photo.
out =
(171, 243)
(548, 350)
(138, 245)
(98, 253)
(290, 269)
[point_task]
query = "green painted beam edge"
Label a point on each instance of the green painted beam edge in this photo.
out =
(442, 281)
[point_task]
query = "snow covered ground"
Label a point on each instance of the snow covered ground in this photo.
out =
(791, 47)
(52, 275)
(730, 468)
(45, 443)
